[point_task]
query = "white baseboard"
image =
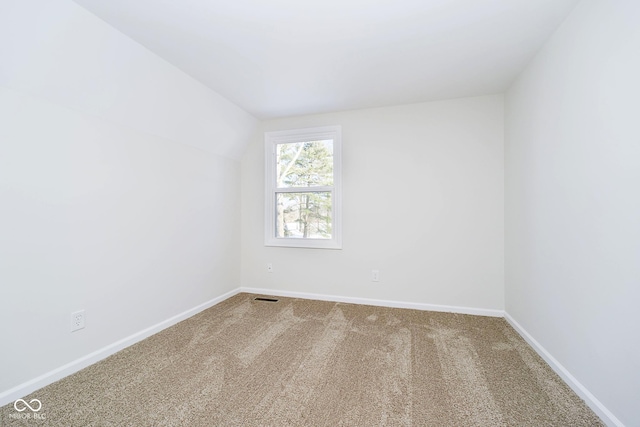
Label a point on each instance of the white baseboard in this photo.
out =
(376, 302)
(596, 406)
(30, 386)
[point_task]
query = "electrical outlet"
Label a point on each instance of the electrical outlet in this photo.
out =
(375, 276)
(269, 268)
(77, 320)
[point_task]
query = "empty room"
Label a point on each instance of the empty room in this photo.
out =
(319, 213)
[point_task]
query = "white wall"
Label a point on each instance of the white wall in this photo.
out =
(573, 201)
(59, 51)
(423, 204)
(118, 191)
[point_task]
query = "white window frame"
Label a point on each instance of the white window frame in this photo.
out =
(272, 139)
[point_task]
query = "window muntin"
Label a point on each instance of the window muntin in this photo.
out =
(303, 188)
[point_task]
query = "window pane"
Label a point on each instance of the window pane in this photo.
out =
(303, 215)
(305, 164)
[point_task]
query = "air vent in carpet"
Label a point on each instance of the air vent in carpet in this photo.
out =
(266, 299)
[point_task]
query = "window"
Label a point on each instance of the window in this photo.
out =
(303, 188)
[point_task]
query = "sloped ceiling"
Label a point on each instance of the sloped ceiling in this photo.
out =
(290, 57)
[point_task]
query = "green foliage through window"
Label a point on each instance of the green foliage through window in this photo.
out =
(304, 214)
(305, 164)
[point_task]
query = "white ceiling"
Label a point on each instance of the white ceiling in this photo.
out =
(290, 57)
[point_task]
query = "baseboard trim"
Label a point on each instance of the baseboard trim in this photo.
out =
(72, 367)
(377, 302)
(596, 406)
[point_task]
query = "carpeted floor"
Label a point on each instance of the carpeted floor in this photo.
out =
(311, 363)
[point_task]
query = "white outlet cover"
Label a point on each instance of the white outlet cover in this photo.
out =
(77, 320)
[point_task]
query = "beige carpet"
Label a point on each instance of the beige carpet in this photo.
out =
(310, 363)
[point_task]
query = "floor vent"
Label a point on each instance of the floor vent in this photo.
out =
(266, 299)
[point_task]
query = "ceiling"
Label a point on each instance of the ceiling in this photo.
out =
(290, 57)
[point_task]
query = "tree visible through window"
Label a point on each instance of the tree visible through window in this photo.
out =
(304, 164)
(302, 196)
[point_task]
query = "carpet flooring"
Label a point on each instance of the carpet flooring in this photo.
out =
(299, 362)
